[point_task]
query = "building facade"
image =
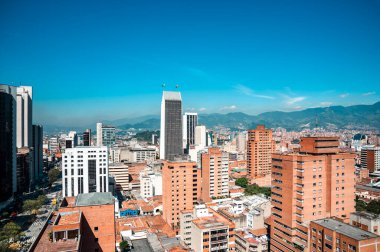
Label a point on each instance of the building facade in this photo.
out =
(180, 189)
(37, 142)
(8, 108)
(24, 116)
(215, 177)
(84, 170)
(260, 147)
(87, 137)
(190, 121)
(370, 158)
(317, 182)
(171, 126)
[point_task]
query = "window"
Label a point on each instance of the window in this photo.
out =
(96, 228)
(96, 239)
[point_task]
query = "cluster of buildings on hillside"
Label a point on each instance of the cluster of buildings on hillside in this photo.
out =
(179, 193)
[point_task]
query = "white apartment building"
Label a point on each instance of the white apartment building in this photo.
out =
(200, 136)
(24, 116)
(150, 183)
(120, 172)
(84, 170)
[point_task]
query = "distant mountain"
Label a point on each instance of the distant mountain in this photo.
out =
(351, 117)
(357, 117)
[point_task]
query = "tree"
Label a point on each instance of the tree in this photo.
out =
(255, 189)
(53, 175)
(31, 205)
(124, 246)
(374, 207)
(42, 199)
(360, 205)
(242, 182)
(10, 231)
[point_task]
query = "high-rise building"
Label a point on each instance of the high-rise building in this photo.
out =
(180, 189)
(8, 108)
(99, 136)
(241, 142)
(84, 170)
(171, 125)
(260, 147)
(37, 142)
(53, 145)
(201, 136)
(24, 116)
(190, 121)
(24, 170)
(87, 137)
(370, 158)
(316, 183)
(71, 140)
(215, 177)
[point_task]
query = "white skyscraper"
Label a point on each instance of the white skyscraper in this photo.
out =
(99, 135)
(171, 125)
(190, 121)
(24, 116)
(84, 170)
(200, 136)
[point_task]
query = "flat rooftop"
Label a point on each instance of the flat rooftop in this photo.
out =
(367, 215)
(95, 198)
(69, 218)
(345, 229)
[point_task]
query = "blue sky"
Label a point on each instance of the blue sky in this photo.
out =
(96, 60)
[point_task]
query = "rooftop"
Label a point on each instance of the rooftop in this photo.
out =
(345, 229)
(68, 218)
(367, 215)
(94, 198)
(171, 95)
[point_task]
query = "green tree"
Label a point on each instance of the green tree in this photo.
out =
(255, 189)
(360, 205)
(124, 246)
(374, 207)
(53, 175)
(42, 199)
(30, 205)
(242, 182)
(10, 231)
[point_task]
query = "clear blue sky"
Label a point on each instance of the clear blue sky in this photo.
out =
(94, 60)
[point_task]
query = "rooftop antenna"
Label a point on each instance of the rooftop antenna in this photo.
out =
(163, 86)
(177, 86)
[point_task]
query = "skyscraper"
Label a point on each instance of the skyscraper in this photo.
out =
(190, 121)
(8, 107)
(370, 158)
(180, 189)
(201, 136)
(260, 147)
(37, 142)
(84, 170)
(105, 135)
(87, 137)
(316, 183)
(24, 116)
(171, 125)
(214, 174)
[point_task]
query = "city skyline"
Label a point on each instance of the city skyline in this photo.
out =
(247, 57)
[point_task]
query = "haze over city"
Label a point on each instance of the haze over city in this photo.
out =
(90, 61)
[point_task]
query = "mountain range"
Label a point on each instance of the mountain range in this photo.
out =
(350, 117)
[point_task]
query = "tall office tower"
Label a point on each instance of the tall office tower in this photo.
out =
(171, 125)
(201, 136)
(24, 116)
(316, 183)
(24, 169)
(370, 158)
(260, 147)
(214, 174)
(87, 137)
(108, 135)
(37, 142)
(241, 142)
(71, 140)
(8, 107)
(84, 170)
(180, 189)
(99, 136)
(190, 121)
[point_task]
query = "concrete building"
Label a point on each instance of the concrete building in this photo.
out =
(82, 223)
(201, 136)
(87, 137)
(99, 134)
(190, 121)
(260, 147)
(8, 108)
(252, 240)
(333, 235)
(180, 189)
(37, 143)
(71, 141)
(24, 116)
(108, 135)
(84, 170)
(370, 158)
(366, 221)
(120, 172)
(241, 142)
(317, 182)
(171, 126)
(215, 179)
(150, 183)
(24, 169)
(139, 154)
(53, 145)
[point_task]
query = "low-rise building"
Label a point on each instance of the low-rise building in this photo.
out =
(120, 172)
(251, 240)
(366, 221)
